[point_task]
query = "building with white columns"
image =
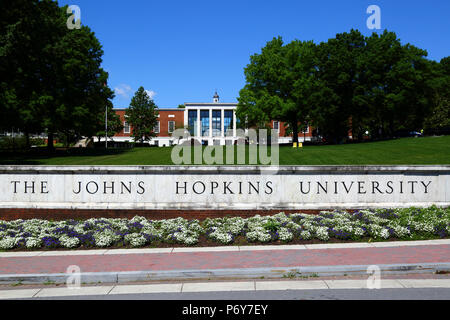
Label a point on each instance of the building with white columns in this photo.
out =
(213, 123)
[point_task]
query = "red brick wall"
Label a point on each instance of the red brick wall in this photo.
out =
(179, 123)
(67, 214)
(283, 131)
(163, 119)
(121, 113)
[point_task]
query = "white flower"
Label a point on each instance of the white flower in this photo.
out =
(135, 240)
(322, 233)
(103, 239)
(401, 232)
(423, 227)
(309, 226)
(33, 243)
(259, 235)
(223, 230)
(384, 234)
(358, 232)
(305, 235)
(285, 235)
(184, 236)
(8, 243)
(252, 236)
(264, 237)
(190, 241)
(221, 237)
(68, 242)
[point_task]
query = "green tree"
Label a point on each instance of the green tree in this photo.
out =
(142, 116)
(279, 83)
(398, 79)
(373, 84)
(336, 104)
(51, 78)
(439, 117)
(22, 25)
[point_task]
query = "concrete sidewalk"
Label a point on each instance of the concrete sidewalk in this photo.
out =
(248, 290)
(137, 265)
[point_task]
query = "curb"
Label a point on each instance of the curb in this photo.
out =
(216, 274)
(350, 245)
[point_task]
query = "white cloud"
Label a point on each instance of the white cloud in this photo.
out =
(123, 90)
(151, 93)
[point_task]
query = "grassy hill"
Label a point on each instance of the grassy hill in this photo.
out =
(414, 151)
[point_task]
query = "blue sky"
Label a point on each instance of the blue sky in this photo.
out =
(182, 51)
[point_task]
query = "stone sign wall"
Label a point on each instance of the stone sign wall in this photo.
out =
(223, 188)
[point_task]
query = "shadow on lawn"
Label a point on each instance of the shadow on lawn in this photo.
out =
(37, 156)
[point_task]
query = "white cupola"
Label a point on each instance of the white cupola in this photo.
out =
(216, 98)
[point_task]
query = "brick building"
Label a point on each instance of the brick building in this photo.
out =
(212, 123)
(168, 121)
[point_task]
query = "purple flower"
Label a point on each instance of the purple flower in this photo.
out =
(51, 242)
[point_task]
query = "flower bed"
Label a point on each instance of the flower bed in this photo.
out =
(364, 225)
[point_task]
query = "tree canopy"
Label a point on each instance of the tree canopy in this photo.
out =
(350, 84)
(280, 82)
(438, 120)
(142, 115)
(50, 76)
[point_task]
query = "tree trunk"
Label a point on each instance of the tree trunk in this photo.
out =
(67, 141)
(50, 145)
(295, 131)
(27, 140)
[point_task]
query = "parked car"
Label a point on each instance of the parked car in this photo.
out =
(406, 133)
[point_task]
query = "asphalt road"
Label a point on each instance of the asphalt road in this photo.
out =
(341, 294)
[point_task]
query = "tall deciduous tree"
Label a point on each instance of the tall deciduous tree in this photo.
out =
(142, 116)
(338, 99)
(279, 83)
(398, 85)
(51, 76)
(438, 119)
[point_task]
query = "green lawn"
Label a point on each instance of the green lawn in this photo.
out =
(427, 151)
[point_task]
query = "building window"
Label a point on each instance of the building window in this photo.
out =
(276, 126)
(126, 128)
(204, 120)
(192, 122)
(228, 121)
(217, 123)
(171, 126)
(156, 129)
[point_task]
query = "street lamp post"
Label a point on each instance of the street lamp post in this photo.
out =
(106, 127)
(106, 122)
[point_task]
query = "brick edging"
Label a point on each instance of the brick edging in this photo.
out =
(84, 214)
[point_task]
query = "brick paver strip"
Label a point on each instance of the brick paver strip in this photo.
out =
(227, 260)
